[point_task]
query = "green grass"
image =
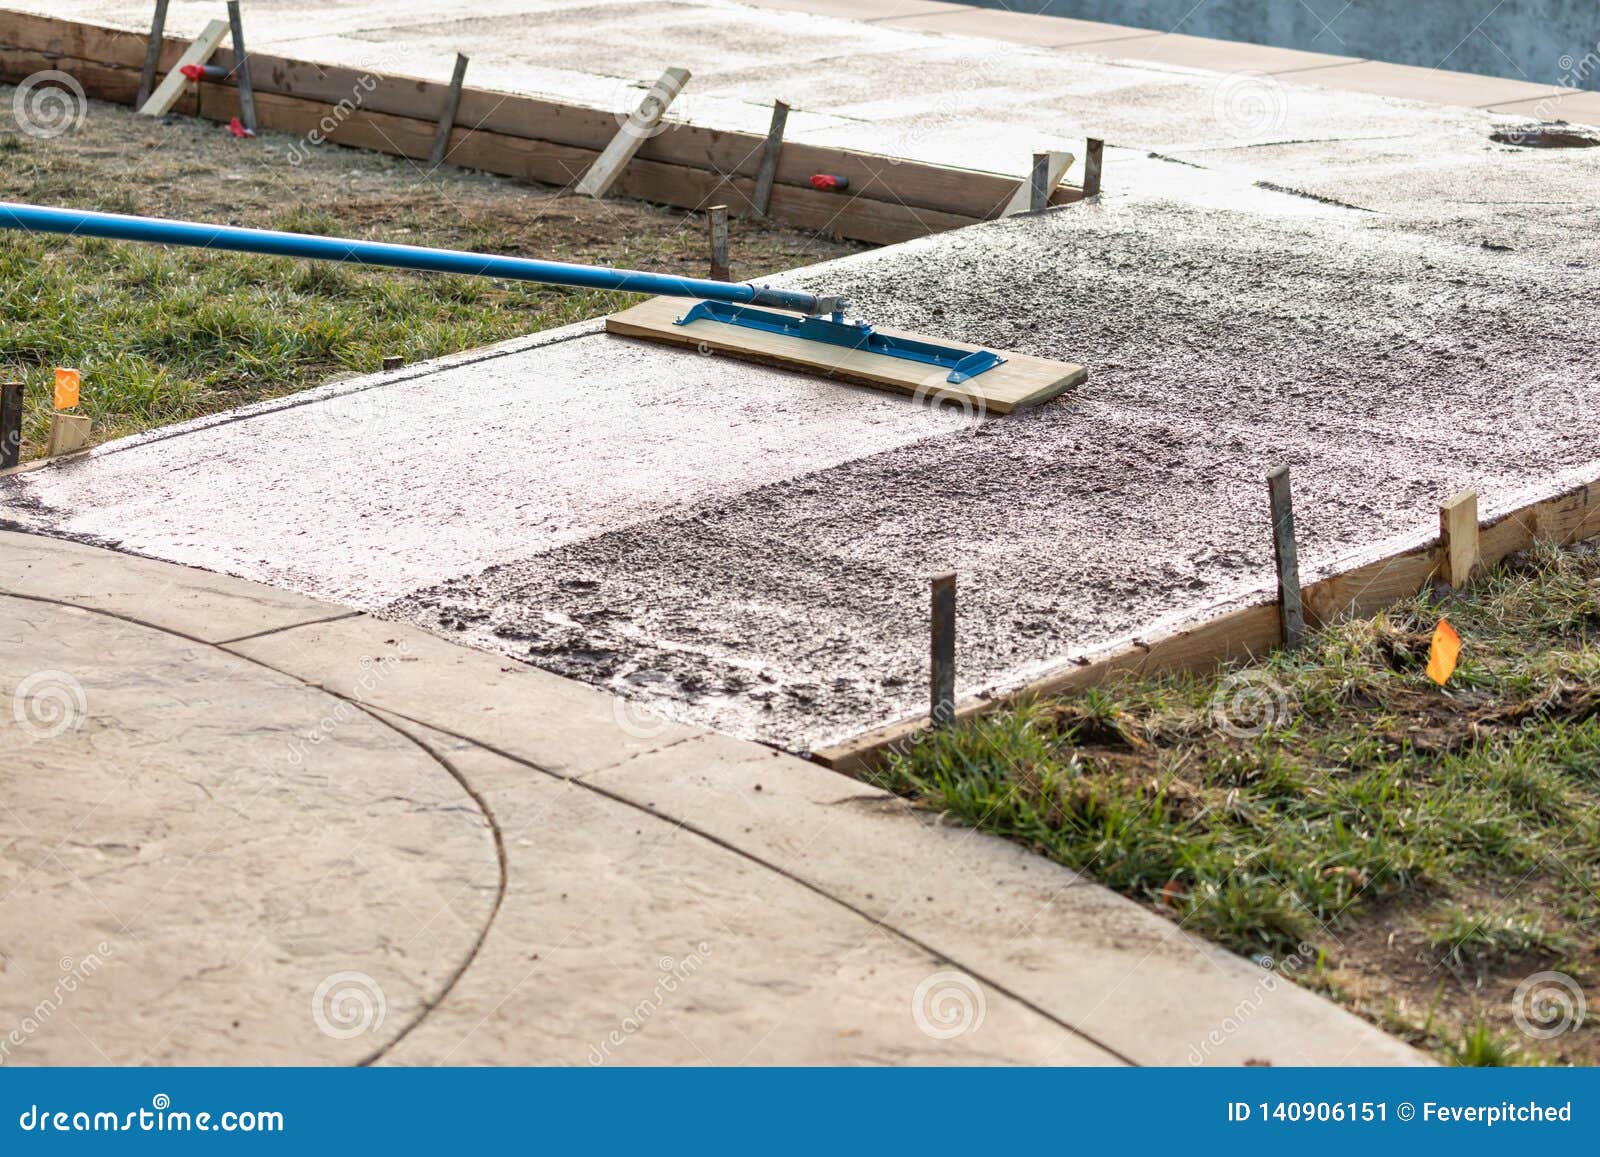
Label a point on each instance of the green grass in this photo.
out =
(162, 335)
(1469, 939)
(1279, 808)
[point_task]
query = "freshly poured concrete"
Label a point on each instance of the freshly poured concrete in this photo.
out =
(1378, 292)
(761, 566)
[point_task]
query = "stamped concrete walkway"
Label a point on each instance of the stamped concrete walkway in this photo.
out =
(242, 826)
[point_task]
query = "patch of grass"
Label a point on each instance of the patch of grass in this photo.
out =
(1333, 800)
(1466, 938)
(1482, 1047)
(166, 334)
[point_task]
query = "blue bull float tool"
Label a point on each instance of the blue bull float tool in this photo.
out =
(821, 340)
(116, 227)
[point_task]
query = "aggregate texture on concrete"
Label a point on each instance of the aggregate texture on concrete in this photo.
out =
(238, 829)
(758, 563)
(1397, 299)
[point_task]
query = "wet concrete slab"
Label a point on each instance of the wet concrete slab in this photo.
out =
(762, 567)
(1375, 291)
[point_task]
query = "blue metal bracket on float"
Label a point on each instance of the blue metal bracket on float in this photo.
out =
(855, 335)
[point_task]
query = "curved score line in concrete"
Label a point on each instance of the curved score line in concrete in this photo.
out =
(220, 809)
(1090, 1046)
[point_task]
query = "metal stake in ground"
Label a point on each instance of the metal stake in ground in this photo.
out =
(10, 424)
(241, 69)
(770, 151)
(447, 115)
(942, 669)
(152, 54)
(717, 219)
(1288, 558)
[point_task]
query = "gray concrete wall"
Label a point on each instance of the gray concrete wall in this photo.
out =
(1545, 41)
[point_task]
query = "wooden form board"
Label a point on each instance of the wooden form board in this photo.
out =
(1572, 515)
(1021, 381)
(1021, 200)
(641, 124)
(199, 51)
(889, 200)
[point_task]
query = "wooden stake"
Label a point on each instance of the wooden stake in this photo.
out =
(199, 51)
(152, 54)
(1039, 186)
(241, 69)
(1458, 538)
(1022, 201)
(447, 115)
(942, 669)
(609, 164)
(717, 218)
(1094, 154)
(10, 424)
(770, 150)
(1288, 558)
(68, 432)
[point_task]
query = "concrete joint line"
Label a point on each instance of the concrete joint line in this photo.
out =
(921, 945)
(450, 769)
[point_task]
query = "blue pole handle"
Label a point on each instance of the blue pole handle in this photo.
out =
(116, 227)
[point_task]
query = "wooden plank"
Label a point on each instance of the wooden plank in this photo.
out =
(642, 124)
(1021, 381)
(1458, 538)
(171, 87)
(860, 218)
(1034, 193)
(68, 432)
(959, 192)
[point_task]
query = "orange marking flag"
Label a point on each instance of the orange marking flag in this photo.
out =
(1443, 654)
(67, 384)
